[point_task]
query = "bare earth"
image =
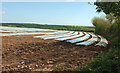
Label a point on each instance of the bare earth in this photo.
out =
(25, 53)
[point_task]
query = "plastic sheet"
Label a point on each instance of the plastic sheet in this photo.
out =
(103, 42)
(11, 34)
(79, 39)
(69, 37)
(90, 41)
(56, 34)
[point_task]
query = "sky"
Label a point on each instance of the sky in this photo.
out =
(64, 13)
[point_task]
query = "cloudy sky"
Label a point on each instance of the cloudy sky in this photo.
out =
(68, 13)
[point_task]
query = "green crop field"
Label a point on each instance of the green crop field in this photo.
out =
(55, 27)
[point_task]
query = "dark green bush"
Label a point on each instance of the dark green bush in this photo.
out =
(109, 62)
(115, 42)
(101, 25)
(11, 26)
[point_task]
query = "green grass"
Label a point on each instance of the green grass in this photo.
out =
(55, 27)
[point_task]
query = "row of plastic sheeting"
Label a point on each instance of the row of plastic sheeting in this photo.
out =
(78, 38)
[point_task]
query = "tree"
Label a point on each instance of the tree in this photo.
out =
(111, 18)
(108, 7)
(111, 8)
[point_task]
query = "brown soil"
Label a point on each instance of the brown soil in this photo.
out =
(25, 53)
(6, 32)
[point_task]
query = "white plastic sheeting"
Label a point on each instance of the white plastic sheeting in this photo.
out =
(6, 31)
(57, 35)
(103, 42)
(24, 31)
(90, 41)
(11, 34)
(79, 39)
(69, 37)
(52, 34)
(17, 29)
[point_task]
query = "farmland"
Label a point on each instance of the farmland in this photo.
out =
(38, 48)
(49, 49)
(45, 26)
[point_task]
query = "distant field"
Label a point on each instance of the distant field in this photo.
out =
(56, 27)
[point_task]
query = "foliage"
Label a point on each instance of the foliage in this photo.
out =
(115, 42)
(11, 26)
(109, 28)
(101, 25)
(57, 66)
(109, 62)
(97, 21)
(111, 18)
(104, 27)
(108, 7)
(112, 11)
